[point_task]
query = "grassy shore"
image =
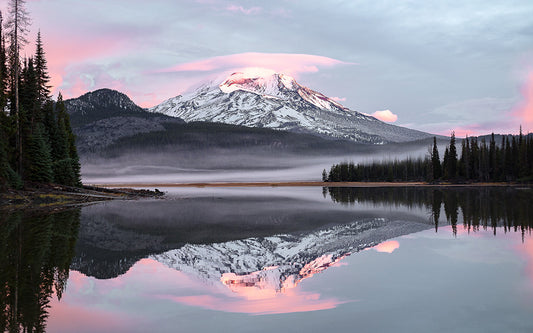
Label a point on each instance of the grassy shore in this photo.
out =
(37, 196)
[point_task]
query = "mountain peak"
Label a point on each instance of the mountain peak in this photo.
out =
(260, 81)
(270, 84)
(108, 97)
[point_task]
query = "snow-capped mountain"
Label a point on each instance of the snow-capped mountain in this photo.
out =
(261, 98)
(282, 261)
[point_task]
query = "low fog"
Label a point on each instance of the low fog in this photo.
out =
(169, 166)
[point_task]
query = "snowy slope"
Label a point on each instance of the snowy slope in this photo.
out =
(281, 261)
(267, 99)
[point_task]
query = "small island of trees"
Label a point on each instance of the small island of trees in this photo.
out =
(36, 140)
(479, 161)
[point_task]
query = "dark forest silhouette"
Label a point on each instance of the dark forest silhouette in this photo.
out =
(479, 161)
(36, 140)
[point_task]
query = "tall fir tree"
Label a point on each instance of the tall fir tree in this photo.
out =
(493, 158)
(3, 68)
(37, 157)
(452, 158)
(17, 25)
(435, 161)
(28, 97)
(41, 72)
(445, 164)
(67, 165)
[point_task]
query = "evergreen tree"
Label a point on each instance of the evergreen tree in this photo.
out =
(3, 69)
(72, 151)
(493, 159)
(17, 29)
(67, 166)
(445, 163)
(41, 71)
(452, 158)
(29, 97)
(435, 161)
(37, 157)
(4, 161)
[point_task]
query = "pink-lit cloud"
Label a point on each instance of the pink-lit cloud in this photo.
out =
(284, 303)
(386, 116)
(67, 317)
(246, 11)
(526, 249)
(286, 63)
(524, 110)
(387, 247)
(338, 99)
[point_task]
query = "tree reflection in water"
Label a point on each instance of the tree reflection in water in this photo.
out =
(36, 250)
(478, 207)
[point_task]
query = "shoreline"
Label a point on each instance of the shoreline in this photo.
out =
(305, 184)
(52, 196)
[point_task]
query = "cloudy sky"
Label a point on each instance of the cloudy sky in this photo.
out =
(435, 66)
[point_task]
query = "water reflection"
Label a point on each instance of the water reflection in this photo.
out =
(244, 254)
(36, 250)
(261, 275)
(486, 207)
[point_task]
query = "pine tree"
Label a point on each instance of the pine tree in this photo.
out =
(37, 157)
(452, 158)
(493, 159)
(17, 29)
(67, 165)
(435, 161)
(29, 97)
(445, 163)
(3, 69)
(72, 152)
(41, 71)
(4, 161)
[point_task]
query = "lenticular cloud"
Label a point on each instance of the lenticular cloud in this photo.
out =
(291, 64)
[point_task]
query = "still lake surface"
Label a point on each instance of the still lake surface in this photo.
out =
(275, 259)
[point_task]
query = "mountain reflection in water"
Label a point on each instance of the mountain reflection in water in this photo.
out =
(242, 254)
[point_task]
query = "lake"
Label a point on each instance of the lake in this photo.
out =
(289, 259)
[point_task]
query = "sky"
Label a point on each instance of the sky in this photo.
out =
(435, 66)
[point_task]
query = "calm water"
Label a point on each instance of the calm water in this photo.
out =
(275, 259)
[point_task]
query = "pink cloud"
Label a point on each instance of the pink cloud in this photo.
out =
(338, 99)
(286, 63)
(246, 11)
(387, 247)
(283, 303)
(524, 111)
(385, 115)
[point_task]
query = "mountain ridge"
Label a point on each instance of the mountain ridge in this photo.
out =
(277, 101)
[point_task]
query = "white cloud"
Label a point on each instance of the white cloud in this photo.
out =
(385, 115)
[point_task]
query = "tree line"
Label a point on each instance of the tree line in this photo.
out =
(478, 161)
(36, 140)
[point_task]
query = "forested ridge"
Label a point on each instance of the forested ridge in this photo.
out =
(36, 140)
(511, 159)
